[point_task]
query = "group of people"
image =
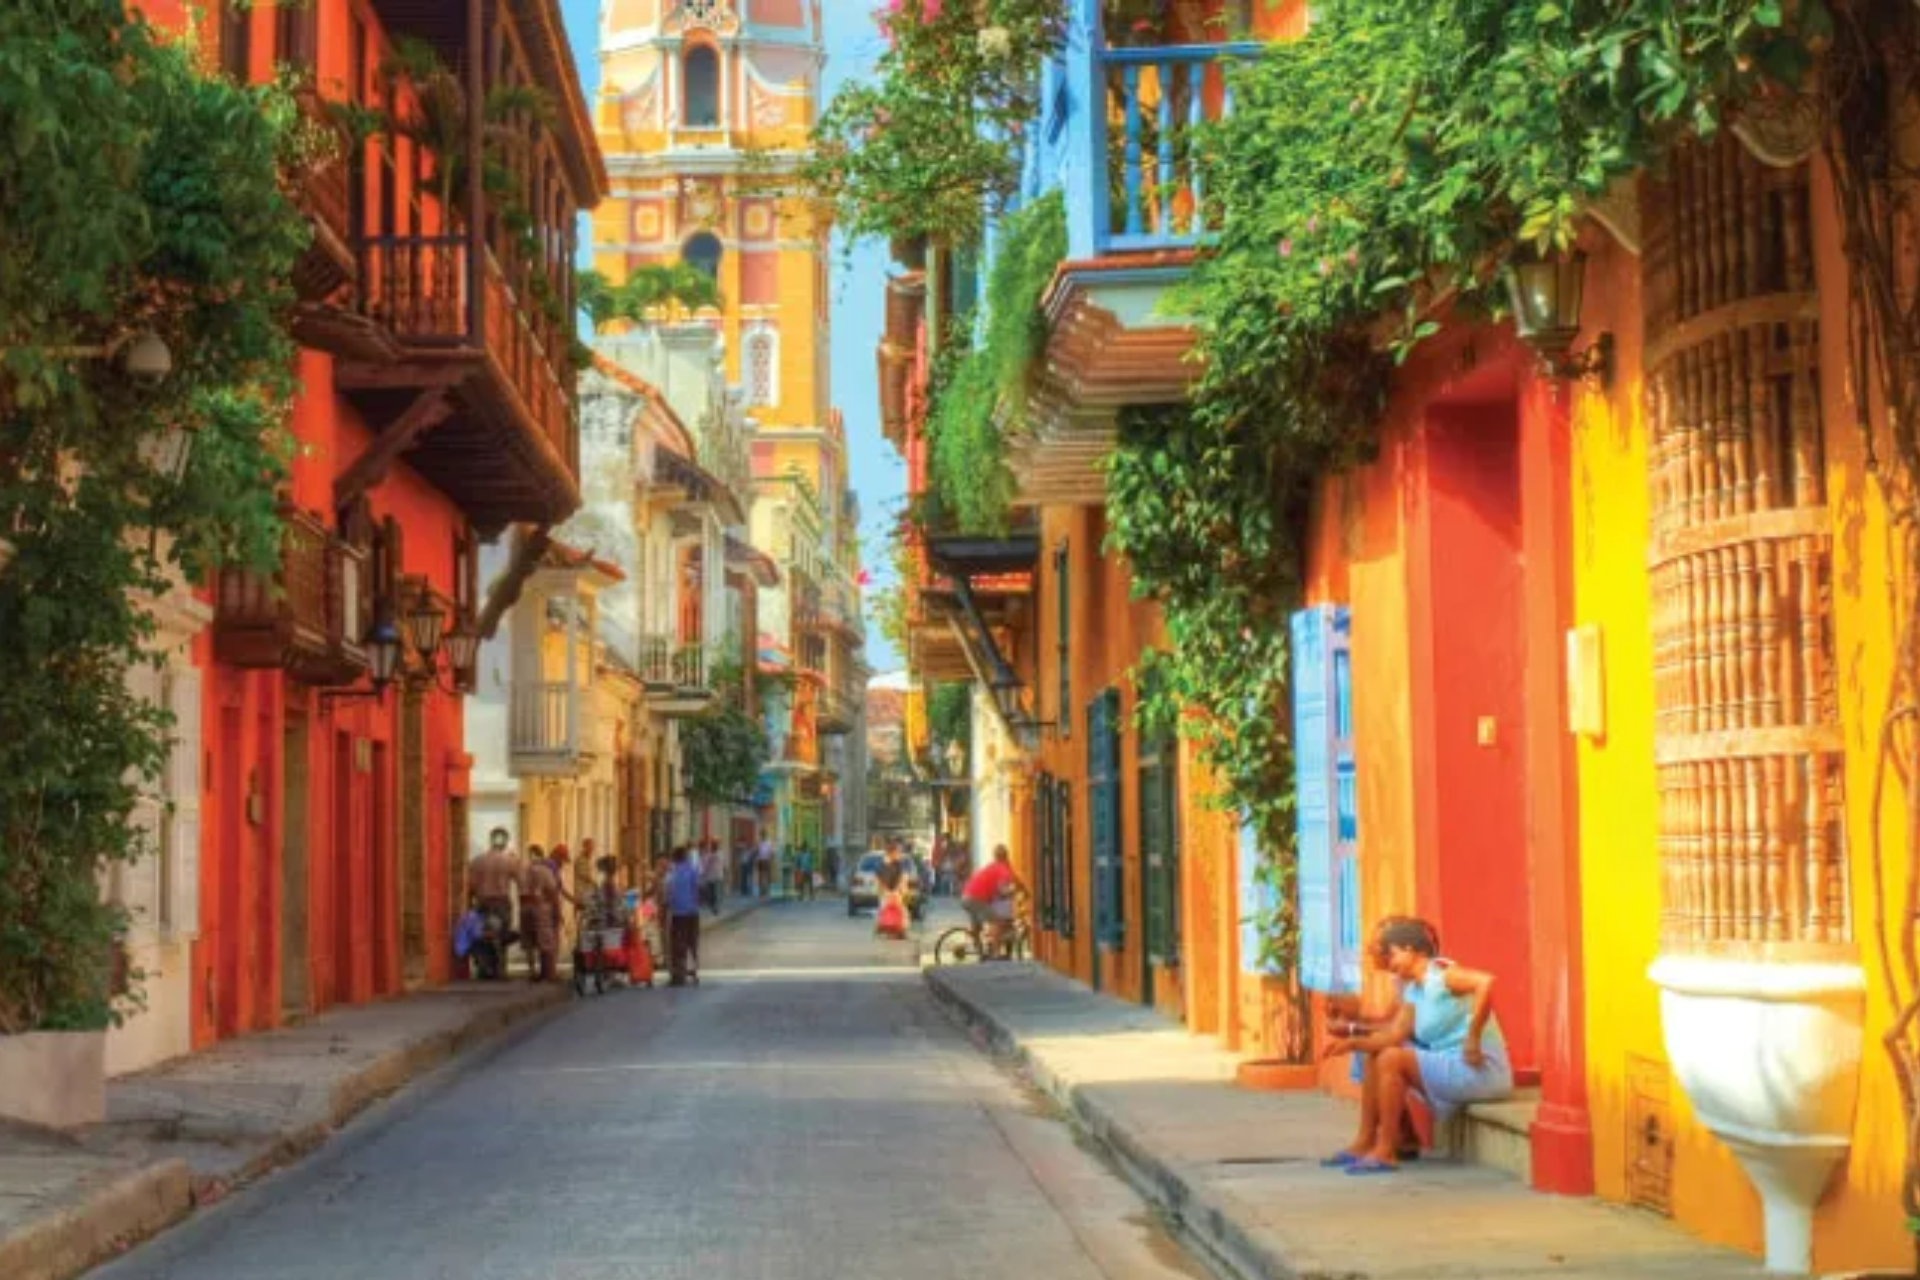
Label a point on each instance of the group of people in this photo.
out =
(498, 876)
(499, 880)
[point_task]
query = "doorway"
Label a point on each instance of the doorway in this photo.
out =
(385, 923)
(228, 926)
(345, 843)
(295, 995)
(1474, 866)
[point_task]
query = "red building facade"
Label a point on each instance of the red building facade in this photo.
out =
(437, 410)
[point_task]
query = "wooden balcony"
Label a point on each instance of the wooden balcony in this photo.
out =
(308, 619)
(549, 734)
(328, 265)
(479, 382)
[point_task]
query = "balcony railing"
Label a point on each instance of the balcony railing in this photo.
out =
(306, 619)
(325, 195)
(1144, 143)
(546, 723)
(419, 288)
(669, 663)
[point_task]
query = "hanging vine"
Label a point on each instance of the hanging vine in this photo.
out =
(1373, 174)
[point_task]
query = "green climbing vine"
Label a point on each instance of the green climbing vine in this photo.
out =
(1373, 176)
(143, 195)
(978, 396)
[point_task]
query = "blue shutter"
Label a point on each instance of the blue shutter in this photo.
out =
(1346, 835)
(1325, 809)
(1042, 817)
(1103, 811)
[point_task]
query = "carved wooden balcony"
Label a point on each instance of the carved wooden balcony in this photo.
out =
(479, 391)
(307, 619)
(551, 732)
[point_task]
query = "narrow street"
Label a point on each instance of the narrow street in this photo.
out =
(806, 1112)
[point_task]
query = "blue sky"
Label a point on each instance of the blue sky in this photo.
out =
(858, 304)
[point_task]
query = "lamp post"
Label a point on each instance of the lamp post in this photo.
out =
(1547, 294)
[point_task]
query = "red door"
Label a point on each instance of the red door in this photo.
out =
(228, 926)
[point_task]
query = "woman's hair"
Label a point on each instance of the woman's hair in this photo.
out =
(535, 852)
(1410, 932)
(605, 866)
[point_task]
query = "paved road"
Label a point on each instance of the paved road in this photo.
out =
(804, 1113)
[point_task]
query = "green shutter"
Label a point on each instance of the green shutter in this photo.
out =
(1044, 850)
(1159, 846)
(1103, 806)
(1063, 855)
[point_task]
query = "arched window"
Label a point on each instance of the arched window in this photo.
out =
(702, 250)
(700, 87)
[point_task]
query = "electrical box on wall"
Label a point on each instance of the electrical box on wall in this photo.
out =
(1586, 683)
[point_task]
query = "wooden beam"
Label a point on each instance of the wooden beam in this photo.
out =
(428, 410)
(529, 545)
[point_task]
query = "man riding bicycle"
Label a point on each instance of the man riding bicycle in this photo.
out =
(988, 900)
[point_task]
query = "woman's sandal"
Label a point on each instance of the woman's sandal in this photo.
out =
(1368, 1166)
(1340, 1160)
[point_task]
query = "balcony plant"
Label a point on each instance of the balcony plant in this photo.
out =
(142, 193)
(724, 748)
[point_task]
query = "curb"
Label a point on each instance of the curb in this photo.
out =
(101, 1226)
(379, 1079)
(1200, 1216)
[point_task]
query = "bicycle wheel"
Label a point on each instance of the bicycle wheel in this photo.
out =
(956, 946)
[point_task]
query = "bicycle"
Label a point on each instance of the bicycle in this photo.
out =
(962, 944)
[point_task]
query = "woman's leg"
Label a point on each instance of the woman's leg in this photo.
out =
(1399, 1072)
(1369, 1105)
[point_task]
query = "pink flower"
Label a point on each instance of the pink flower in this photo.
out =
(1313, 224)
(1353, 257)
(1286, 248)
(1326, 267)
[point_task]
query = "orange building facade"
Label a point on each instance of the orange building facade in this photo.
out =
(1613, 657)
(436, 330)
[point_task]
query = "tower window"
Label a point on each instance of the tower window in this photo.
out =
(701, 71)
(762, 359)
(702, 250)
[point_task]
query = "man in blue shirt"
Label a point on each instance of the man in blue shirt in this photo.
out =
(683, 911)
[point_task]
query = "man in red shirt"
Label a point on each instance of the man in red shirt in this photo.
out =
(988, 898)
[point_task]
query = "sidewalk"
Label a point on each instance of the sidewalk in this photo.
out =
(1238, 1171)
(187, 1132)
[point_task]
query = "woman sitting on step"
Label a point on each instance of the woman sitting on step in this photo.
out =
(1442, 1042)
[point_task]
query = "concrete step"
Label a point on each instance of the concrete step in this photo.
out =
(1498, 1135)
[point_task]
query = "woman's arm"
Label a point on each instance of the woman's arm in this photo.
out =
(1397, 1030)
(1479, 985)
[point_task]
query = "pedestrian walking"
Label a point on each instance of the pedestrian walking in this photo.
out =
(743, 862)
(803, 874)
(712, 876)
(763, 866)
(683, 919)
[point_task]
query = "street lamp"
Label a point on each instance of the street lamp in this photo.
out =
(425, 622)
(1547, 294)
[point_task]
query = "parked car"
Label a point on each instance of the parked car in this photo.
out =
(863, 888)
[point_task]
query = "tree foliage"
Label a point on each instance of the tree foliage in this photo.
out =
(649, 286)
(1378, 170)
(929, 144)
(141, 194)
(724, 748)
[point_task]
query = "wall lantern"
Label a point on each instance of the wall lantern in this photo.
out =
(463, 653)
(383, 655)
(956, 759)
(425, 622)
(1547, 294)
